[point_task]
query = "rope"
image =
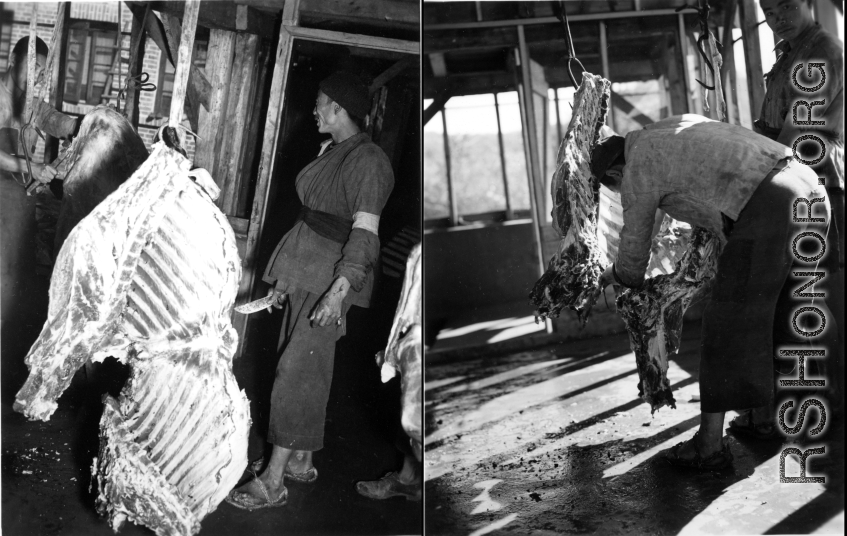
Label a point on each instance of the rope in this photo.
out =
(703, 13)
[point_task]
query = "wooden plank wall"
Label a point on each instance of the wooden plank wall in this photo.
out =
(241, 94)
(219, 71)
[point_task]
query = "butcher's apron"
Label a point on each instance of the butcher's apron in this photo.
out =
(749, 316)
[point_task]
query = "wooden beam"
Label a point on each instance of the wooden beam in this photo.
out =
(471, 84)
(251, 140)
(291, 13)
(31, 62)
(391, 72)
(437, 64)
(59, 51)
(436, 106)
(354, 40)
(222, 16)
(183, 65)
(266, 165)
(219, 62)
(388, 13)
(173, 34)
(753, 55)
(241, 92)
(137, 42)
(199, 85)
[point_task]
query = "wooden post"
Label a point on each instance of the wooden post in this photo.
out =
(753, 55)
(183, 65)
(137, 40)
(232, 151)
(251, 141)
(451, 192)
(219, 70)
(166, 33)
(683, 47)
(59, 53)
(265, 172)
(530, 145)
(509, 213)
(31, 60)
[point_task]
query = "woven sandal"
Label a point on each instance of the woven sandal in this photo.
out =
(246, 501)
(714, 462)
(306, 477)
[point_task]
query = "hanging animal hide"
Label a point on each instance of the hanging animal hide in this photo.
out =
(403, 352)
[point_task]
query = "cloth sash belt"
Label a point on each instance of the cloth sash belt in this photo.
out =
(327, 225)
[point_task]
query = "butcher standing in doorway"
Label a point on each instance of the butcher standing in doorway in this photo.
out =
(321, 267)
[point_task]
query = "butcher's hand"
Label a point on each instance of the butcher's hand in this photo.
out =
(328, 309)
(607, 278)
(43, 173)
(279, 292)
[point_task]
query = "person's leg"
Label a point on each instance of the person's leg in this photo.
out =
(412, 470)
(736, 358)
(299, 397)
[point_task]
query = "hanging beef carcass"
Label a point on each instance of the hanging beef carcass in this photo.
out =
(573, 272)
(653, 313)
(103, 155)
(403, 352)
(150, 277)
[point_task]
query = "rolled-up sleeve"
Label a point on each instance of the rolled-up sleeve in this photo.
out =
(639, 212)
(368, 183)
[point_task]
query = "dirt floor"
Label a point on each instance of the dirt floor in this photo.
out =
(46, 466)
(556, 441)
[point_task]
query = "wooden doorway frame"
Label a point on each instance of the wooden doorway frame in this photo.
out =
(252, 227)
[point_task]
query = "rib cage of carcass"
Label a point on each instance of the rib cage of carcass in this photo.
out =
(403, 352)
(589, 217)
(150, 277)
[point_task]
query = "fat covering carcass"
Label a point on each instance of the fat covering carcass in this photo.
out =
(150, 277)
(682, 262)
(403, 352)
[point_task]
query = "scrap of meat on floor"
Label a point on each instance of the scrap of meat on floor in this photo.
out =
(150, 277)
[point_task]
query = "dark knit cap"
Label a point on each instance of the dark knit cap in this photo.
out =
(605, 153)
(349, 91)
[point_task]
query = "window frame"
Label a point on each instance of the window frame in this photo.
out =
(455, 218)
(84, 91)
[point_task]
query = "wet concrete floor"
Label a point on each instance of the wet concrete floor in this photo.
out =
(556, 441)
(46, 466)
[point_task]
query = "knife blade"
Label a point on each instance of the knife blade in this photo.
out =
(256, 305)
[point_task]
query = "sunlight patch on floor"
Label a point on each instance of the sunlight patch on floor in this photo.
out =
(521, 330)
(494, 526)
(755, 504)
(436, 384)
(508, 425)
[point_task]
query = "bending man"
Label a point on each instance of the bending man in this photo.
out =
(741, 186)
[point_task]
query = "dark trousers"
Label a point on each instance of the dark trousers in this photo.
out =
(749, 316)
(303, 375)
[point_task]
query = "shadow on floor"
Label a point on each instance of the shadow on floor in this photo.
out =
(556, 441)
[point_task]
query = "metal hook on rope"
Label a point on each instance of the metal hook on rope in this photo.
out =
(562, 15)
(703, 13)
